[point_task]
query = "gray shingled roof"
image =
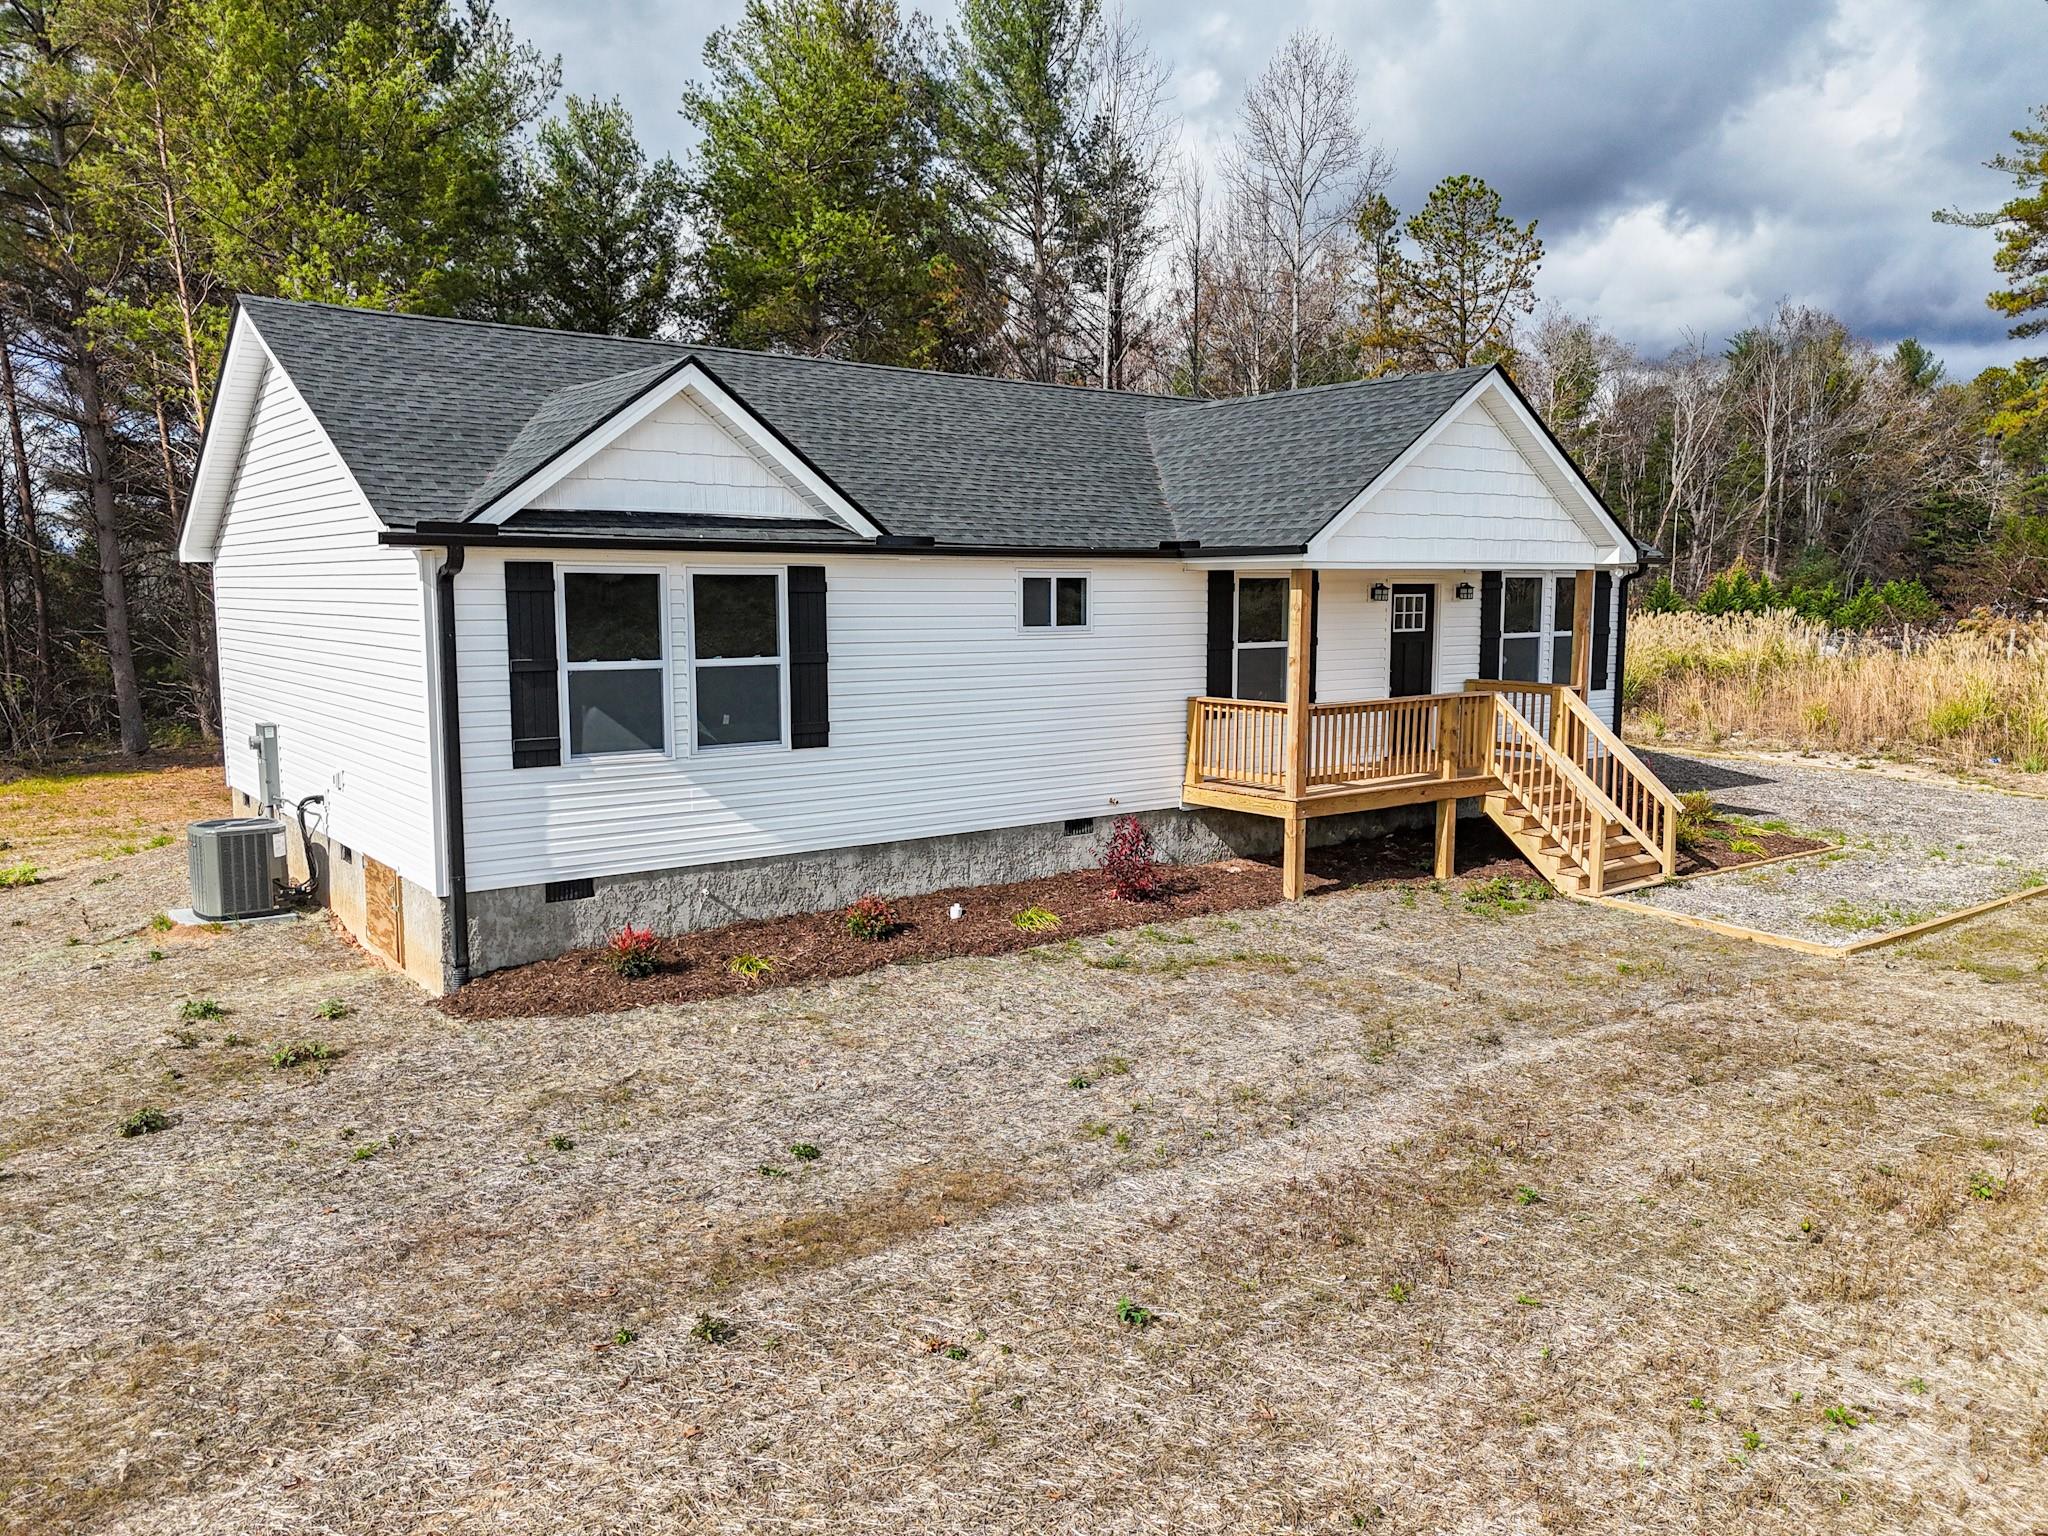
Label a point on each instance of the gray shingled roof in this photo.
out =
(438, 417)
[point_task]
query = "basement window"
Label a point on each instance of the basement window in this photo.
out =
(1078, 826)
(570, 890)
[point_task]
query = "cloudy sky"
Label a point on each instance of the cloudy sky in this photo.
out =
(1690, 164)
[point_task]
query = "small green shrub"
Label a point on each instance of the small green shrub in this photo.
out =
(562, 1142)
(1399, 1293)
(804, 1152)
(16, 876)
(751, 967)
(1036, 919)
(711, 1330)
(1985, 1186)
(1840, 1417)
(146, 1121)
(1524, 1195)
(1131, 1315)
(333, 1008)
(1695, 817)
(201, 1010)
(300, 1052)
(161, 923)
(633, 952)
(625, 1336)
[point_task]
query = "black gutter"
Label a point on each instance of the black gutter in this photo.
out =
(451, 761)
(471, 536)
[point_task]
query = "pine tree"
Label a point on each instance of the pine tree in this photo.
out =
(600, 228)
(1470, 271)
(822, 222)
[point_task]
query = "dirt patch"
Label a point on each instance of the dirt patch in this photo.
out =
(1736, 845)
(66, 814)
(816, 946)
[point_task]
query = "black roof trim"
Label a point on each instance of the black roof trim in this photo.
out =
(453, 535)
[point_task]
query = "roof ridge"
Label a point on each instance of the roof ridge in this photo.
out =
(713, 346)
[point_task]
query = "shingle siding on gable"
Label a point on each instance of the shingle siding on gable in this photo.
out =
(1468, 497)
(677, 460)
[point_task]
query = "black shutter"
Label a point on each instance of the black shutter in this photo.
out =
(1603, 603)
(1222, 632)
(1315, 624)
(1489, 624)
(530, 653)
(810, 689)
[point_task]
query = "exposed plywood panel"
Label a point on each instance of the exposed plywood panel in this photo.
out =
(383, 910)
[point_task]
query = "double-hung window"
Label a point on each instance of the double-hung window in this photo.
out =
(1261, 639)
(615, 671)
(737, 683)
(1054, 602)
(1536, 628)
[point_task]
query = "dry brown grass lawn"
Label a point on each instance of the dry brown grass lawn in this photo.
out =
(1445, 1219)
(67, 814)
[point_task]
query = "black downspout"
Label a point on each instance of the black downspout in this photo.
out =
(451, 760)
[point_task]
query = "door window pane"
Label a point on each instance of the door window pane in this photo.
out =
(1561, 605)
(739, 705)
(1037, 602)
(1261, 610)
(1521, 660)
(736, 616)
(1521, 605)
(1561, 658)
(612, 617)
(1073, 602)
(622, 709)
(1411, 613)
(1262, 672)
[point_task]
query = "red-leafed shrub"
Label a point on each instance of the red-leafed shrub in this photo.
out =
(631, 952)
(1128, 861)
(872, 917)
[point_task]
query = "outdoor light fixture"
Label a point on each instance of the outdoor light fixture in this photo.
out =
(1380, 592)
(1464, 591)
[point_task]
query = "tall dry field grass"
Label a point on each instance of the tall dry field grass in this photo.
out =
(1973, 695)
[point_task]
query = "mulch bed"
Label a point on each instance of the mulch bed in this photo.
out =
(1713, 854)
(817, 947)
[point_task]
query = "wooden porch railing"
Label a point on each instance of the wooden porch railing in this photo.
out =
(1647, 808)
(1244, 741)
(1546, 784)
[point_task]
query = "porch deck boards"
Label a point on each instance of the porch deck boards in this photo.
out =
(1338, 799)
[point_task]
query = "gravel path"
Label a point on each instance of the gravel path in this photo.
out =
(1912, 847)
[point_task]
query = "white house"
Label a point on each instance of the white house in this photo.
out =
(570, 630)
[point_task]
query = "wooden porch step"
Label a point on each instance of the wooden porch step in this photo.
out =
(1628, 865)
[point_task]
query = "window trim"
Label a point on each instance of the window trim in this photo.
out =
(694, 661)
(564, 666)
(1237, 646)
(1087, 577)
(1545, 634)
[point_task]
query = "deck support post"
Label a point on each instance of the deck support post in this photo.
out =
(1446, 839)
(1294, 856)
(1294, 780)
(1582, 634)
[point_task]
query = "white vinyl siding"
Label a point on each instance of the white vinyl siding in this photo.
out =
(324, 631)
(1469, 497)
(945, 718)
(677, 460)
(1354, 634)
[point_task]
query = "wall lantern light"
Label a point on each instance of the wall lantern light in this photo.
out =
(1465, 593)
(1380, 592)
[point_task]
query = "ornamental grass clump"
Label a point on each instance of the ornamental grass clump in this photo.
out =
(631, 952)
(1128, 860)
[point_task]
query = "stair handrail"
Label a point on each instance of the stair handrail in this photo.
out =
(1604, 809)
(1664, 847)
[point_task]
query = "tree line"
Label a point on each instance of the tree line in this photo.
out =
(1009, 195)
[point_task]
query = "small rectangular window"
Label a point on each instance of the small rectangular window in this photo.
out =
(615, 682)
(1055, 602)
(737, 686)
(1078, 826)
(1261, 637)
(1411, 613)
(569, 890)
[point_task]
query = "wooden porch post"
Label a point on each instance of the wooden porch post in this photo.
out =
(1294, 863)
(1446, 839)
(1582, 632)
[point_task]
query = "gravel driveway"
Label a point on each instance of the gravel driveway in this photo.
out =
(1912, 847)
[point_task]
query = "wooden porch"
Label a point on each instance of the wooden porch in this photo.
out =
(1577, 802)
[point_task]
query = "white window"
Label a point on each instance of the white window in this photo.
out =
(1411, 613)
(738, 687)
(1260, 644)
(614, 663)
(1536, 628)
(1054, 601)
